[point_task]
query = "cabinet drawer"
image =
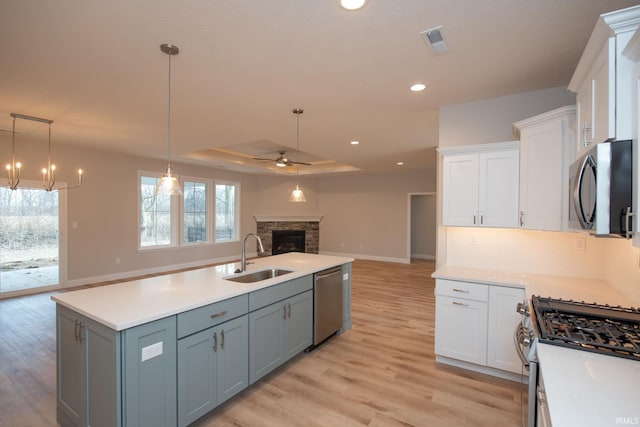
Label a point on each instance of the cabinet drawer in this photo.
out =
(275, 293)
(210, 315)
(466, 290)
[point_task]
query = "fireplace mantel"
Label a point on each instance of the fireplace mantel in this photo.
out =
(285, 218)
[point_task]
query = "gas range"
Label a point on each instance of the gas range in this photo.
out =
(596, 328)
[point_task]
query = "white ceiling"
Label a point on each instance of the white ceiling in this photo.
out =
(96, 69)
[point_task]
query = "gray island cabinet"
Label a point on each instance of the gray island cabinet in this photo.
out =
(172, 369)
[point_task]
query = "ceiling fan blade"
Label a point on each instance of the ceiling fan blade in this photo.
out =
(298, 163)
(268, 160)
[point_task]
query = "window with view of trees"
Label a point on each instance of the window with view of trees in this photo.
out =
(227, 209)
(195, 212)
(167, 220)
(155, 214)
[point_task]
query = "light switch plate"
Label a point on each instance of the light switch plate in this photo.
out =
(345, 276)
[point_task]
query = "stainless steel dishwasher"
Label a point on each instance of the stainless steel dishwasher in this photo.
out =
(327, 303)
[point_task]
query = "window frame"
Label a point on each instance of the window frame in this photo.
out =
(210, 205)
(173, 212)
(237, 216)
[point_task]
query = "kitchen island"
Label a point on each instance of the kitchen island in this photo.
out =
(168, 349)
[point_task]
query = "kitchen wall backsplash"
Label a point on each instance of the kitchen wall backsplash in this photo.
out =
(562, 254)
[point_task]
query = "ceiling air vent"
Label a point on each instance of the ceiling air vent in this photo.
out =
(435, 39)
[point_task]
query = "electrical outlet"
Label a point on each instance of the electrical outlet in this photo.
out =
(636, 258)
(581, 244)
(473, 241)
(117, 261)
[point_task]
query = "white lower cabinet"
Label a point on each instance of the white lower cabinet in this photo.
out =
(475, 324)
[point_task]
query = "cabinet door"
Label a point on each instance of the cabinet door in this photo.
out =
(541, 177)
(149, 374)
(503, 318)
(233, 358)
(604, 94)
(498, 189)
(71, 375)
(266, 334)
(461, 329)
(460, 190)
(584, 112)
(299, 324)
(197, 375)
(88, 366)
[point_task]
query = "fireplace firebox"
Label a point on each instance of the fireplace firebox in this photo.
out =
(284, 241)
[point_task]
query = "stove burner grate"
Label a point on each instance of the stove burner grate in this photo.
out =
(590, 327)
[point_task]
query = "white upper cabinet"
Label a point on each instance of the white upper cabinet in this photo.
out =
(480, 185)
(547, 144)
(600, 81)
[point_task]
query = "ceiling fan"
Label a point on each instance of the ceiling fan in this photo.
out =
(283, 161)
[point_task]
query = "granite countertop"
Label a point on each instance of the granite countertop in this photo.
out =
(125, 305)
(583, 388)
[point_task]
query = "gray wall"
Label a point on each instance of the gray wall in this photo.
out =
(423, 226)
(364, 215)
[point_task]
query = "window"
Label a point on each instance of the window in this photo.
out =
(227, 210)
(195, 212)
(155, 214)
(169, 221)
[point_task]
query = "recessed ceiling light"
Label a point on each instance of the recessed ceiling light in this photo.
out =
(400, 163)
(354, 142)
(418, 87)
(352, 4)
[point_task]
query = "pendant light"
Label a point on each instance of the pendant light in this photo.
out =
(48, 173)
(169, 183)
(297, 195)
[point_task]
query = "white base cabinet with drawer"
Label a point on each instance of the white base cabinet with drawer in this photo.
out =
(474, 327)
(461, 321)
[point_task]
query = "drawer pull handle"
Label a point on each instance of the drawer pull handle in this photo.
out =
(459, 303)
(222, 313)
(460, 290)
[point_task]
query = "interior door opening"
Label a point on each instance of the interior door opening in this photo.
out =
(29, 239)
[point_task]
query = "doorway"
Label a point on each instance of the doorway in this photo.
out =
(422, 226)
(29, 239)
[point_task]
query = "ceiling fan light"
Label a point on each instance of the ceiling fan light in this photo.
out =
(280, 163)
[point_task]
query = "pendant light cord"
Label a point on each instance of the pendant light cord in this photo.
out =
(169, 120)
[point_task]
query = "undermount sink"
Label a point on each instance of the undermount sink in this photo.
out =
(257, 276)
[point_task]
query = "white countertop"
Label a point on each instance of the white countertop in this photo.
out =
(125, 305)
(565, 287)
(583, 389)
(589, 390)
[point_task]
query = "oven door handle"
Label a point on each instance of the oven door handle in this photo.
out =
(519, 338)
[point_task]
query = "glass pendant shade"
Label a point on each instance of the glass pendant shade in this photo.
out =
(297, 195)
(168, 184)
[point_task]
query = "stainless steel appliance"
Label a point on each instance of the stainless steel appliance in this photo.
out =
(613, 331)
(600, 190)
(327, 304)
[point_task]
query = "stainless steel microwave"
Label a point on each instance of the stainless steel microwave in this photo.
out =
(601, 190)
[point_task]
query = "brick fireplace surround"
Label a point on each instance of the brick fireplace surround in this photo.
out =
(310, 224)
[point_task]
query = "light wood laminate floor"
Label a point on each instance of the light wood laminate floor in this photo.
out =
(380, 373)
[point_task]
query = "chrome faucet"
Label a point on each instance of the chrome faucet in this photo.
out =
(243, 260)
